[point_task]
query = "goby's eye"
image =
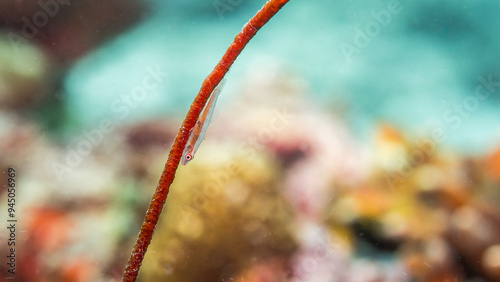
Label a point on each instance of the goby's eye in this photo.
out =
(188, 157)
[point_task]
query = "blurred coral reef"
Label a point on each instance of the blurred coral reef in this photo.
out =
(224, 216)
(62, 27)
(437, 209)
(283, 194)
(280, 190)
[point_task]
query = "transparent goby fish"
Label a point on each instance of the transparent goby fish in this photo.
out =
(200, 128)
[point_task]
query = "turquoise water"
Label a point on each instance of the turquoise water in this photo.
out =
(415, 68)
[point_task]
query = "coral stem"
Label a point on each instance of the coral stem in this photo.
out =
(213, 79)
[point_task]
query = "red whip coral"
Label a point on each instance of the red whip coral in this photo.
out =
(213, 79)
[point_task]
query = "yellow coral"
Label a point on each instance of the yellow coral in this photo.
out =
(222, 221)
